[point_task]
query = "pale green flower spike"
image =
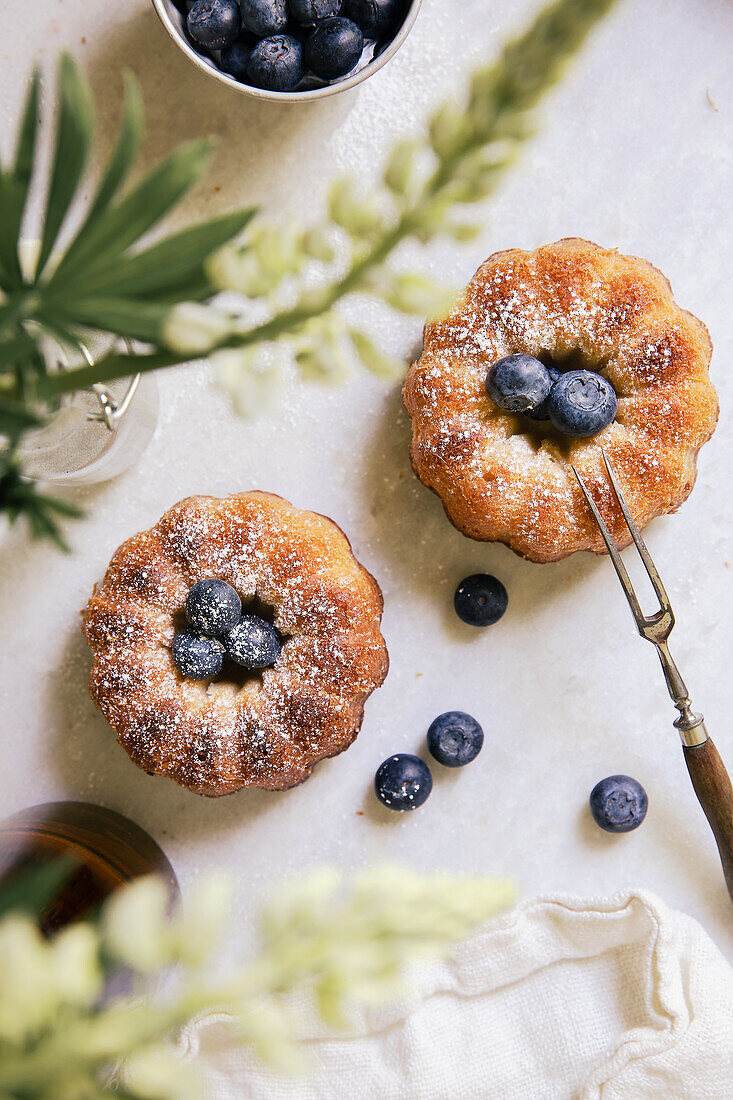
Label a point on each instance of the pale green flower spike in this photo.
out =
(156, 1073)
(202, 920)
(135, 928)
(194, 329)
(373, 359)
(428, 183)
(60, 1037)
(400, 175)
(164, 294)
(419, 295)
(253, 385)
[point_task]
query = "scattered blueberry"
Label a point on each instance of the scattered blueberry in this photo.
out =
(582, 403)
(252, 643)
(277, 63)
(195, 656)
(375, 17)
(213, 606)
(455, 738)
(214, 24)
(309, 12)
(480, 600)
(234, 58)
(618, 804)
(518, 383)
(264, 17)
(542, 412)
(403, 782)
(334, 48)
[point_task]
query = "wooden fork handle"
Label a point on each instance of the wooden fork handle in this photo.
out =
(715, 794)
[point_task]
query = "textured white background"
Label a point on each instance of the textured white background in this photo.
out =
(631, 153)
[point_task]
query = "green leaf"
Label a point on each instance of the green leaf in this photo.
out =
(19, 498)
(194, 289)
(125, 317)
(14, 186)
(28, 369)
(112, 366)
(116, 172)
(118, 227)
(31, 889)
(14, 348)
(73, 138)
(27, 136)
(172, 262)
(15, 418)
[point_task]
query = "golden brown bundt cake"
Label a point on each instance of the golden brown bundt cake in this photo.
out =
(504, 477)
(268, 731)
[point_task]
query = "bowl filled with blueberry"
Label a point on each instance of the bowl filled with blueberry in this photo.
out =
(292, 50)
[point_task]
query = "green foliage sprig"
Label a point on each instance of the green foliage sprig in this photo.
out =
(62, 1031)
(105, 280)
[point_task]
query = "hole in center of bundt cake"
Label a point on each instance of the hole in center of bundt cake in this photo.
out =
(233, 674)
(575, 359)
(537, 431)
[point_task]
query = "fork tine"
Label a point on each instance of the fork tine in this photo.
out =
(618, 564)
(641, 546)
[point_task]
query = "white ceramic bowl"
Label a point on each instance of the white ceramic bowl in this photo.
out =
(173, 21)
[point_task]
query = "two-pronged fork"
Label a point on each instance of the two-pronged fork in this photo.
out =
(707, 771)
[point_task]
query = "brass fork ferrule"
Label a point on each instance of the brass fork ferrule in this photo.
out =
(692, 731)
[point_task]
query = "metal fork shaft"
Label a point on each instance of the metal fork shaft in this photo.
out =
(691, 726)
(707, 771)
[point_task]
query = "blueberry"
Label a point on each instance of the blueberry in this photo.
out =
(455, 738)
(234, 58)
(518, 383)
(334, 48)
(195, 656)
(542, 412)
(277, 63)
(582, 403)
(213, 606)
(480, 600)
(264, 17)
(618, 804)
(375, 17)
(214, 23)
(252, 643)
(309, 12)
(403, 782)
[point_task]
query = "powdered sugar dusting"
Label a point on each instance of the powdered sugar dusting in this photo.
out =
(501, 477)
(216, 738)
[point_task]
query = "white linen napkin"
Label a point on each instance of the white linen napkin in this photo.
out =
(562, 999)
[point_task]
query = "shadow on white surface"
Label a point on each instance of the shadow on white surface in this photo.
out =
(255, 138)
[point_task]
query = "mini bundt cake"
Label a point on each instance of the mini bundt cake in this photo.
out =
(219, 736)
(505, 477)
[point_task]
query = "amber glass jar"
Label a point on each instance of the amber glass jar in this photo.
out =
(107, 849)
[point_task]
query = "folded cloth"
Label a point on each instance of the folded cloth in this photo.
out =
(563, 999)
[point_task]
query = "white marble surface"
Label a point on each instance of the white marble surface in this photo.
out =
(634, 151)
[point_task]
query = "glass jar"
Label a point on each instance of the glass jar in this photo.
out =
(95, 433)
(108, 849)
